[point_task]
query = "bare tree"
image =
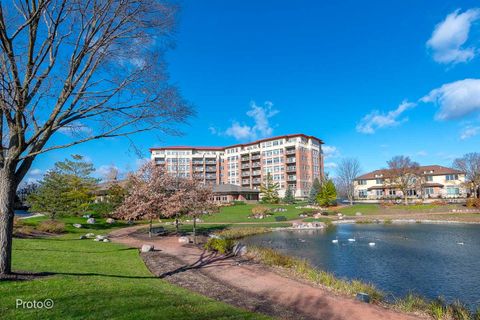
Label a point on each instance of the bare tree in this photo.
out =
(348, 169)
(470, 164)
(89, 69)
(402, 174)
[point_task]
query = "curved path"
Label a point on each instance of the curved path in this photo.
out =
(298, 299)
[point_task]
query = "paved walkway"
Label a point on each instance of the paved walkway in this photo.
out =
(296, 299)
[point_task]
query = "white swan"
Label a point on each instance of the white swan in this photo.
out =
(460, 243)
(351, 239)
(335, 241)
(371, 244)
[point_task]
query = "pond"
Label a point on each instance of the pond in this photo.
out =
(22, 213)
(429, 259)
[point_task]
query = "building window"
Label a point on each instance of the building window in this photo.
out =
(429, 178)
(411, 192)
(362, 182)
(362, 193)
(379, 181)
(379, 193)
(453, 191)
(428, 191)
(451, 177)
(392, 192)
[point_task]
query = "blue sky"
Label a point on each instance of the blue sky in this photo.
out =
(373, 79)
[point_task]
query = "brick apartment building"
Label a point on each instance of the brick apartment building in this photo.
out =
(292, 160)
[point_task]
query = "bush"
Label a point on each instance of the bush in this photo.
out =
(51, 226)
(280, 218)
(222, 246)
(473, 202)
(238, 233)
(238, 203)
(101, 209)
(260, 210)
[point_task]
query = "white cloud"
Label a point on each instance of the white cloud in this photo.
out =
(422, 153)
(469, 132)
(455, 99)
(260, 128)
(330, 151)
(376, 120)
(330, 165)
(75, 128)
(33, 176)
(450, 35)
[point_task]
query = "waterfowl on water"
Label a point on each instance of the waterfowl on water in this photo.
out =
(460, 243)
(335, 241)
(371, 244)
(351, 239)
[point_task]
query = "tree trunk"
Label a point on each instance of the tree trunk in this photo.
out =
(150, 229)
(194, 229)
(7, 199)
(176, 224)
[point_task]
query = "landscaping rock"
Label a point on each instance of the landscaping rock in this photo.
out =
(90, 235)
(96, 239)
(101, 238)
(110, 221)
(358, 214)
(239, 249)
(91, 220)
(77, 225)
(87, 216)
(147, 248)
(83, 237)
(106, 240)
(183, 240)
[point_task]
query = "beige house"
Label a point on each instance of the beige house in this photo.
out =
(431, 182)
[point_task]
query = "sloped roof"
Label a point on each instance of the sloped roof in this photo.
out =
(437, 170)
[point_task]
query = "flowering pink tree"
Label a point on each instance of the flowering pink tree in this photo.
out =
(157, 194)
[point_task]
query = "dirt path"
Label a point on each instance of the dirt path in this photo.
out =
(252, 286)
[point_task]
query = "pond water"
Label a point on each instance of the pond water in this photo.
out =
(22, 213)
(432, 260)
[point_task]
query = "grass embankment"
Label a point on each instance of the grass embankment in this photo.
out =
(96, 280)
(303, 269)
(240, 213)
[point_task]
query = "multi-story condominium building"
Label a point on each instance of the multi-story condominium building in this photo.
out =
(292, 161)
(429, 182)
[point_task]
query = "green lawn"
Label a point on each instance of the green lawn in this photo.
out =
(94, 280)
(365, 209)
(240, 213)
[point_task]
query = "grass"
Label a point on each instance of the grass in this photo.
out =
(240, 213)
(436, 309)
(302, 268)
(93, 280)
(365, 209)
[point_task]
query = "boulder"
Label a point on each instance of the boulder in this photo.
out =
(147, 248)
(91, 220)
(90, 235)
(358, 214)
(100, 237)
(83, 237)
(96, 239)
(86, 216)
(77, 225)
(183, 240)
(239, 249)
(110, 221)
(106, 240)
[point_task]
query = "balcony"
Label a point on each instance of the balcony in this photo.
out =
(198, 170)
(197, 161)
(245, 174)
(291, 178)
(214, 161)
(291, 168)
(290, 151)
(257, 181)
(211, 176)
(256, 164)
(246, 181)
(211, 169)
(256, 157)
(256, 173)
(291, 160)
(245, 166)
(245, 158)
